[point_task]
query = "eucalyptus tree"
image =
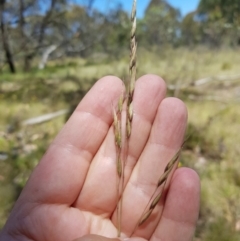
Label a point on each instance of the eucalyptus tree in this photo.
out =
(161, 23)
(192, 30)
(221, 20)
(27, 25)
(41, 26)
(5, 37)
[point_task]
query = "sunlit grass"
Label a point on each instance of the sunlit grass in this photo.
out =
(214, 126)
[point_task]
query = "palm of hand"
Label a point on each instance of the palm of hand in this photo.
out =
(72, 192)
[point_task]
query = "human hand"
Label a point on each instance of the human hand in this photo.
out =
(72, 192)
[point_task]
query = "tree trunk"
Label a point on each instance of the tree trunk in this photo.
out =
(29, 56)
(21, 18)
(45, 56)
(45, 22)
(6, 46)
(27, 62)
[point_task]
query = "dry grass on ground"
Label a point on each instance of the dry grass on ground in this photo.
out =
(213, 103)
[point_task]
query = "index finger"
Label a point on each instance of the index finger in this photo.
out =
(61, 173)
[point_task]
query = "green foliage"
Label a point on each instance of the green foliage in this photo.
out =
(160, 25)
(191, 29)
(221, 21)
(80, 31)
(212, 148)
(220, 230)
(117, 27)
(218, 9)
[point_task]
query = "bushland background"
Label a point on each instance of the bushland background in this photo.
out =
(52, 52)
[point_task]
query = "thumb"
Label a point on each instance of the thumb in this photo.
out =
(92, 237)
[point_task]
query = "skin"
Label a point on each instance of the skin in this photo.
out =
(72, 192)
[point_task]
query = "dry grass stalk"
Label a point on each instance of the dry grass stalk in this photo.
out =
(154, 200)
(121, 138)
(132, 70)
(118, 123)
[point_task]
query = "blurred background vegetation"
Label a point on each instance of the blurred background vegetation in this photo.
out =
(53, 51)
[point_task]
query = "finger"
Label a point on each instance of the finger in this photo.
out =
(93, 237)
(61, 173)
(181, 210)
(99, 193)
(165, 140)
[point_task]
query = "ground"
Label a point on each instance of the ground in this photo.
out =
(207, 80)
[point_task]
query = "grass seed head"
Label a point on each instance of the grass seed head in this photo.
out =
(145, 217)
(130, 111)
(156, 201)
(119, 167)
(173, 160)
(163, 178)
(128, 128)
(120, 103)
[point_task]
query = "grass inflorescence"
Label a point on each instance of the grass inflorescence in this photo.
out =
(123, 139)
(118, 120)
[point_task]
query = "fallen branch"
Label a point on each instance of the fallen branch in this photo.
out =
(204, 81)
(44, 118)
(218, 78)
